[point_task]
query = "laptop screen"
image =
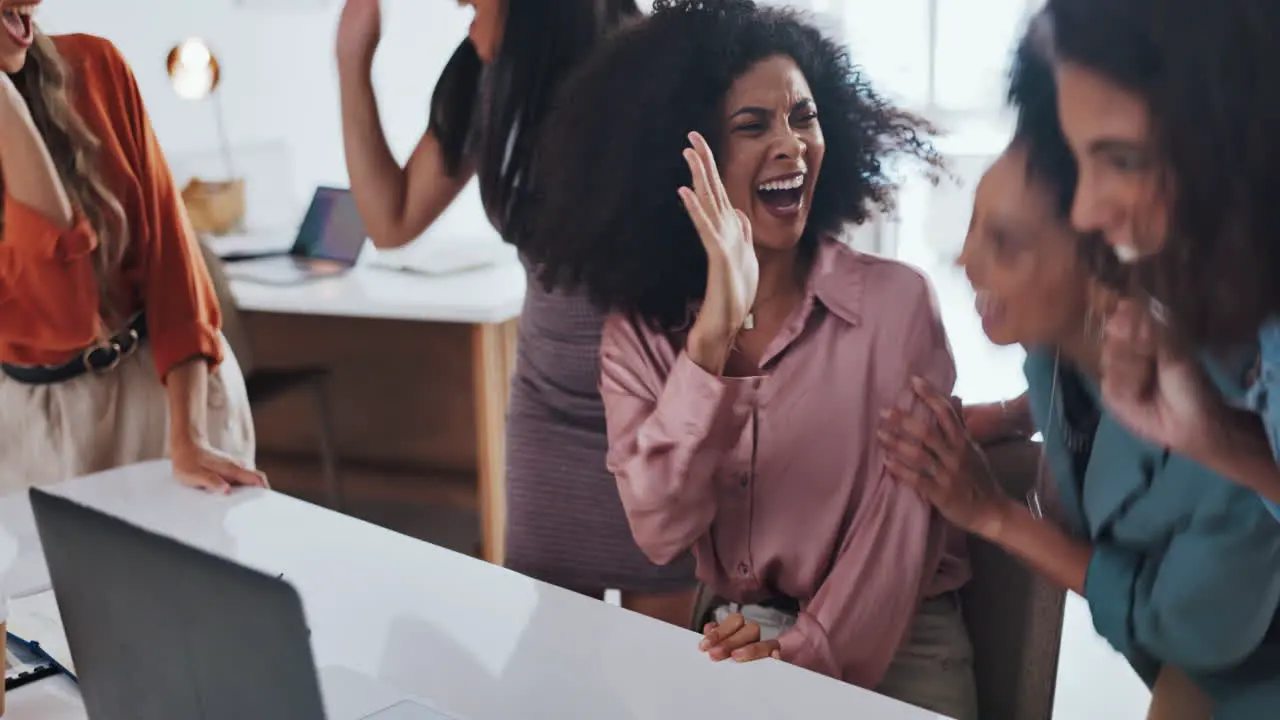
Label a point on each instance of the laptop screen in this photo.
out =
(332, 228)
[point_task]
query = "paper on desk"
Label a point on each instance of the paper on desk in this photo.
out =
(440, 256)
(26, 573)
(35, 618)
(261, 240)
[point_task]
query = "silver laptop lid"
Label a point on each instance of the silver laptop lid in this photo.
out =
(160, 630)
(332, 229)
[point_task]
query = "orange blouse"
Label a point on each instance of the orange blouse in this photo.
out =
(49, 298)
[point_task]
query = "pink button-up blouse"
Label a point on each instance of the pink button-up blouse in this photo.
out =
(777, 482)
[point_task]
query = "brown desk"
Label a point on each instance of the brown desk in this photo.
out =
(420, 378)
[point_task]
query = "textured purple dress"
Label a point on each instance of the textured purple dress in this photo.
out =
(565, 523)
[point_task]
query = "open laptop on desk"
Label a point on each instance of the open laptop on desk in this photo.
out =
(328, 243)
(160, 630)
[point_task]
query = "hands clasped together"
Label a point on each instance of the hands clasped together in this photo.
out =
(1158, 393)
(737, 639)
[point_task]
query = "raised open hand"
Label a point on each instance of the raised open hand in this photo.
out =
(733, 273)
(359, 31)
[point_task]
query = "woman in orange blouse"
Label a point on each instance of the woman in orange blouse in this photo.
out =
(109, 326)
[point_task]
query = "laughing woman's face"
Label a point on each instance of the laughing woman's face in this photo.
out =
(773, 150)
(18, 18)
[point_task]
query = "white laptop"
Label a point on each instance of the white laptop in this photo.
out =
(328, 243)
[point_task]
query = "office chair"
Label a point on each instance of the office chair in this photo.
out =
(1014, 616)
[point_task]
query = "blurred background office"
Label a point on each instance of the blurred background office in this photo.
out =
(276, 110)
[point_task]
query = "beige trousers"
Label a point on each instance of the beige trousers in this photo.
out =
(932, 670)
(95, 422)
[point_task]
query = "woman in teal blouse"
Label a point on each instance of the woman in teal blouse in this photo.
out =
(1172, 109)
(1180, 566)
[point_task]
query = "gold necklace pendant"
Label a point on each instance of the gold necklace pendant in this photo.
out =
(749, 322)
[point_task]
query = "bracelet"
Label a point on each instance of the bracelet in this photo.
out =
(1034, 504)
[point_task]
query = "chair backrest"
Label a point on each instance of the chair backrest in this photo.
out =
(1014, 616)
(232, 322)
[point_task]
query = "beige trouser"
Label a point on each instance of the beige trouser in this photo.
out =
(932, 670)
(96, 422)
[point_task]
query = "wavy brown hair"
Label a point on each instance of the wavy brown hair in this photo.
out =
(1206, 72)
(46, 84)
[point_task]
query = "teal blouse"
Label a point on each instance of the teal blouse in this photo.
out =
(1186, 565)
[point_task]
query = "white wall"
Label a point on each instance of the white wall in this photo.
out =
(279, 80)
(279, 85)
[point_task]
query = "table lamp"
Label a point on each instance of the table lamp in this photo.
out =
(215, 207)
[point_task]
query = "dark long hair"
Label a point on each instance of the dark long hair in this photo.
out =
(1206, 70)
(1033, 95)
(490, 116)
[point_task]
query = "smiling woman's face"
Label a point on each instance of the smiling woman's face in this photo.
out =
(18, 33)
(1120, 194)
(773, 150)
(1023, 259)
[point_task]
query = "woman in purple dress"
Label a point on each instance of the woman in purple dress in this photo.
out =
(565, 520)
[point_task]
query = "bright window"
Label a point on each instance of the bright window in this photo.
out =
(940, 57)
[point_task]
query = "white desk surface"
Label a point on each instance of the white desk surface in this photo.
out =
(477, 640)
(489, 295)
(493, 294)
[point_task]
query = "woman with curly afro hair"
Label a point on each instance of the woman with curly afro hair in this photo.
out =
(693, 182)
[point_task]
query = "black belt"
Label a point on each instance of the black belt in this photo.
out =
(100, 358)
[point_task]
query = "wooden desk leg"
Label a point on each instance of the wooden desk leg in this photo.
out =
(492, 362)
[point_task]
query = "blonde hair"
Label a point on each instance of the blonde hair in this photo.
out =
(45, 82)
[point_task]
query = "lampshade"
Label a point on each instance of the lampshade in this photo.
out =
(218, 207)
(193, 69)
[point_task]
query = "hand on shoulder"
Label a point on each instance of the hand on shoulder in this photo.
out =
(937, 458)
(1004, 420)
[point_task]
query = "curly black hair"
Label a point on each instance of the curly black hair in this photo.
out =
(1207, 73)
(1033, 94)
(604, 214)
